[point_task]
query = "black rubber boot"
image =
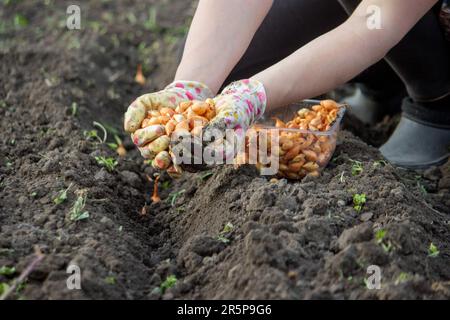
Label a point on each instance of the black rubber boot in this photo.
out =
(421, 139)
(370, 107)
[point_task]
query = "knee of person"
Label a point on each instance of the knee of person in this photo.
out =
(428, 92)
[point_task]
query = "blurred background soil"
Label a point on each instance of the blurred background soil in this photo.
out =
(225, 233)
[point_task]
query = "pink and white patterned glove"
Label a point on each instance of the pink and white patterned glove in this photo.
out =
(240, 104)
(238, 107)
(151, 140)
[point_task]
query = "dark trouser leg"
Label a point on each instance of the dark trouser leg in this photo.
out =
(289, 25)
(421, 60)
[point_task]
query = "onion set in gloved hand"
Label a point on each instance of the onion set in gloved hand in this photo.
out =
(195, 134)
(146, 117)
(237, 107)
(160, 126)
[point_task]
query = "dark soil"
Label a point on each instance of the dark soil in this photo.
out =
(289, 240)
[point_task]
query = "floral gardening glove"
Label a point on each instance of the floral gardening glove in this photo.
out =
(144, 115)
(238, 107)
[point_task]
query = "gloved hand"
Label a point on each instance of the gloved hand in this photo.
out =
(238, 107)
(152, 140)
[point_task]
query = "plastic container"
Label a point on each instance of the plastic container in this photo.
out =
(308, 151)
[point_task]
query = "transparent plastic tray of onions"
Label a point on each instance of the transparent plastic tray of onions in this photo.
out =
(294, 141)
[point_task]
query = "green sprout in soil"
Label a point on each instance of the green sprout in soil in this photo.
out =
(402, 278)
(152, 24)
(172, 198)
(206, 175)
(109, 163)
(168, 283)
(379, 235)
(92, 135)
(111, 129)
(433, 251)
(380, 238)
(45, 131)
(51, 81)
(165, 185)
(116, 144)
(62, 195)
(74, 109)
(77, 211)
(110, 280)
(7, 271)
(359, 200)
(227, 228)
(380, 163)
(357, 167)
(181, 209)
(421, 187)
(20, 287)
(386, 247)
(222, 237)
(366, 283)
(170, 39)
(96, 27)
(20, 21)
(101, 127)
(342, 177)
(4, 287)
